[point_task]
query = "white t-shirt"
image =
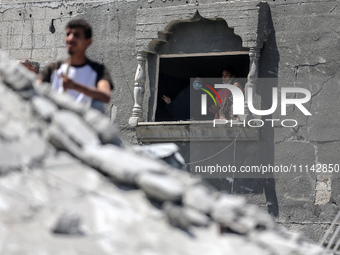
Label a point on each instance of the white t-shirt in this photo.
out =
(88, 75)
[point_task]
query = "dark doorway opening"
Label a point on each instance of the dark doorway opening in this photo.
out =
(174, 80)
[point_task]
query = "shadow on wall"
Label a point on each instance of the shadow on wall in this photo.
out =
(263, 151)
(268, 70)
(269, 65)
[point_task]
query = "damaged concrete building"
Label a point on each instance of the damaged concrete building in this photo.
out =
(69, 185)
(153, 47)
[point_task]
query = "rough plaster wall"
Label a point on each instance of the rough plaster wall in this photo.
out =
(306, 42)
(307, 37)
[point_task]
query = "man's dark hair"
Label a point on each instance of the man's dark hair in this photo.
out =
(80, 23)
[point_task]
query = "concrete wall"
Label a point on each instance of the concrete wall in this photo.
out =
(303, 45)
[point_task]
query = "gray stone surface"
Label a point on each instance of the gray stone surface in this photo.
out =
(239, 219)
(161, 187)
(196, 218)
(199, 197)
(22, 80)
(71, 124)
(184, 217)
(118, 164)
(107, 132)
(13, 129)
(166, 151)
(32, 149)
(161, 150)
(68, 224)
(22, 153)
(61, 141)
(10, 160)
(43, 107)
(63, 101)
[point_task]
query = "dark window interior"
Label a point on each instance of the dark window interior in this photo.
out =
(174, 81)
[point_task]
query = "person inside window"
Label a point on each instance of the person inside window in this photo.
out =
(223, 111)
(226, 111)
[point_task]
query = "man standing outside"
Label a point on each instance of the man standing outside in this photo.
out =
(88, 82)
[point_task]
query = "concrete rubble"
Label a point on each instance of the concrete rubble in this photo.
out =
(69, 185)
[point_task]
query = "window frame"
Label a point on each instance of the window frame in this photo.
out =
(160, 56)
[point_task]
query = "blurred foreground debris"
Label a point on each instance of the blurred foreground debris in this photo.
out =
(68, 184)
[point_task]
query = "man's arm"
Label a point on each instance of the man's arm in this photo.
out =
(102, 92)
(45, 75)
